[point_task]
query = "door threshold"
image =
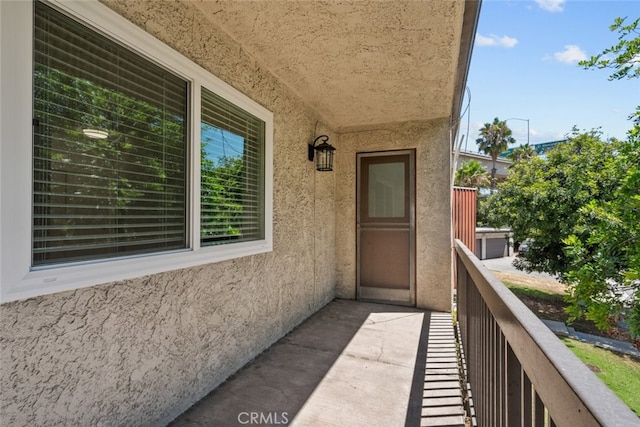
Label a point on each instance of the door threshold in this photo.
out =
(386, 295)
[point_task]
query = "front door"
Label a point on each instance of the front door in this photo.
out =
(386, 227)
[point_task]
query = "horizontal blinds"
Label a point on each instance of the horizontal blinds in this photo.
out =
(109, 141)
(232, 172)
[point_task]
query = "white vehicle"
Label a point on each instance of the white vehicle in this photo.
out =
(524, 246)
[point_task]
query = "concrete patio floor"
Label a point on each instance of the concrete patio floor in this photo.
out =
(350, 364)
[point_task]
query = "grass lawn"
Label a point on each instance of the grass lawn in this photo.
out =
(549, 304)
(534, 293)
(620, 373)
(544, 303)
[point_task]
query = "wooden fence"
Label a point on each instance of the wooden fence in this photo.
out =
(464, 216)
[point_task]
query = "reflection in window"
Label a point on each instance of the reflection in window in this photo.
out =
(109, 145)
(231, 173)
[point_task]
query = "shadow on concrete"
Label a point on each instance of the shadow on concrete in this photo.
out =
(280, 381)
(414, 411)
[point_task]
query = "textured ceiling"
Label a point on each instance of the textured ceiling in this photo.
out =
(356, 63)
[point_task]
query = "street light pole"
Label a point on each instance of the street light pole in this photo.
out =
(524, 120)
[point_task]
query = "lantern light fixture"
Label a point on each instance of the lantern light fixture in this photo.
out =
(322, 153)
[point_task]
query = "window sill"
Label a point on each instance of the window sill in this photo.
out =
(22, 285)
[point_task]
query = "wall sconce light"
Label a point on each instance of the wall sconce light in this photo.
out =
(324, 155)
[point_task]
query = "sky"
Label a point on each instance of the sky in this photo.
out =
(524, 66)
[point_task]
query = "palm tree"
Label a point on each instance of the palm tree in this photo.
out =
(472, 174)
(523, 153)
(494, 139)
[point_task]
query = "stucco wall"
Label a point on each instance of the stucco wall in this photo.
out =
(140, 352)
(433, 210)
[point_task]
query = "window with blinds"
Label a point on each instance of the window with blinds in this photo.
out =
(110, 149)
(231, 173)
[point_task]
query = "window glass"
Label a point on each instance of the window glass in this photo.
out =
(387, 190)
(109, 147)
(231, 173)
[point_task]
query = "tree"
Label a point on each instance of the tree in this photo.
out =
(494, 139)
(621, 57)
(472, 174)
(581, 207)
(86, 190)
(221, 197)
(604, 252)
(523, 153)
(541, 199)
(615, 224)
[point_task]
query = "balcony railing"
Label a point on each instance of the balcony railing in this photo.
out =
(520, 373)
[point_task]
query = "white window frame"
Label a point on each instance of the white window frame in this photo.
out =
(18, 279)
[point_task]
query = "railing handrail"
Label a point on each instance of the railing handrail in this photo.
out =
(572, 393)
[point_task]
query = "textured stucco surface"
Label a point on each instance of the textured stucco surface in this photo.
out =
(142, 351)
(359, 63)
(139, 352)
(433, 210)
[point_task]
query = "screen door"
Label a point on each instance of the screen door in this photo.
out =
(386, 227)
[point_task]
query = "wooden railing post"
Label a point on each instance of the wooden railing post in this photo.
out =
(520, 373)
(515, 392)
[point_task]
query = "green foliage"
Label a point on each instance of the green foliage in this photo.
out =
(65, 104)
(621, 57)
(606, 262)
(581, 206)
(634, 319)
(221, 196)
(522, 154)
(494, 139)
(539, 294)
(472, 174)
(143, 157)
(111, 183)
(483, 211)
(542, 198)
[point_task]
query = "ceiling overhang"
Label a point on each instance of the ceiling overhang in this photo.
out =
(359, 64)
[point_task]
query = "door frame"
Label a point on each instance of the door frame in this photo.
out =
(390, 296)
